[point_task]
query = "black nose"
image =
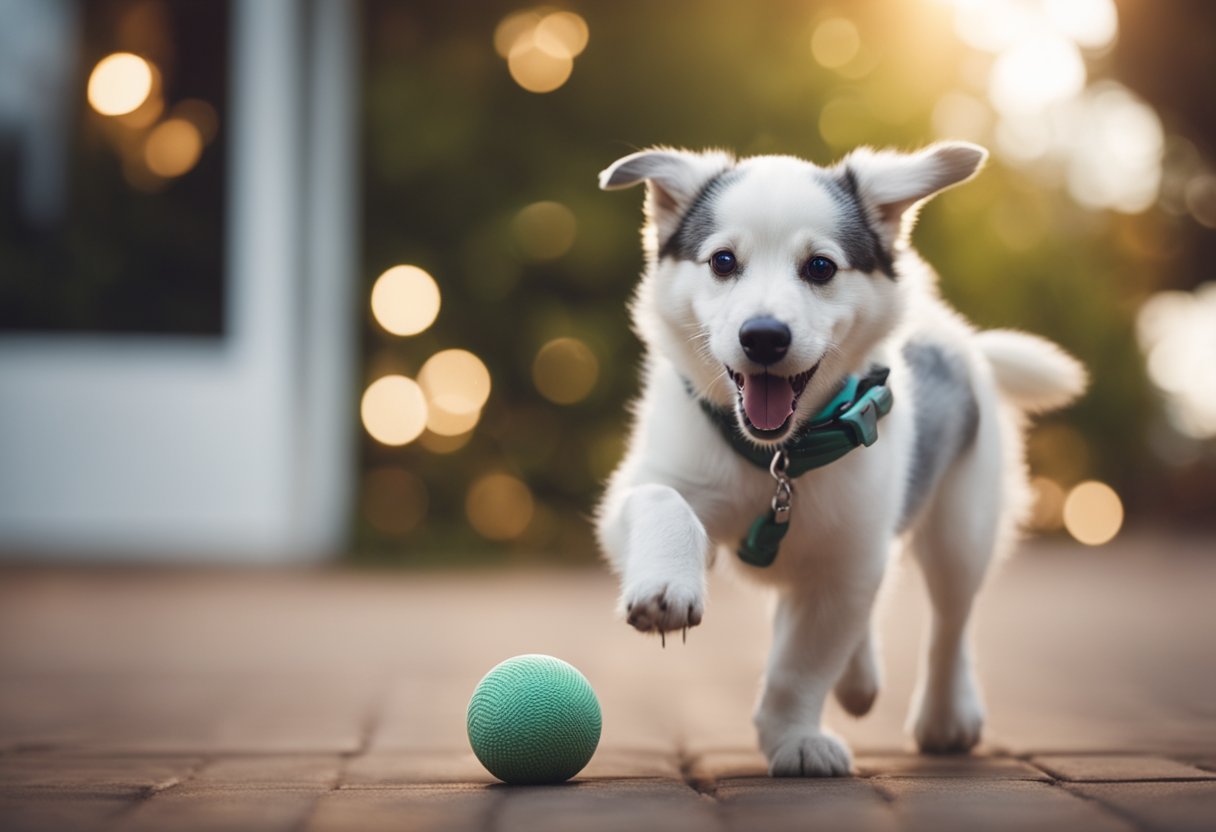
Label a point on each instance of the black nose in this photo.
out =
(765, 340)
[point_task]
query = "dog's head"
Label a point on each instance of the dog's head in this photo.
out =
(770, 278)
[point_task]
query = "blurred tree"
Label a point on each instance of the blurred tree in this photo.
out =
(455, 149)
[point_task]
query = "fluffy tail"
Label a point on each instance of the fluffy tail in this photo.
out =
(1031, 372)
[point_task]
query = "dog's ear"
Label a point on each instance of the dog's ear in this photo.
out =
(893, 185)
(673, 179)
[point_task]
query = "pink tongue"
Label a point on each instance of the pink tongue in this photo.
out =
(767, 400)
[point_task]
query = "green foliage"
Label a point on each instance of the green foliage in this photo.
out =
(454, 148)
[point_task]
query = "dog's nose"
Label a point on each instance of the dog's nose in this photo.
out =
(764, 339)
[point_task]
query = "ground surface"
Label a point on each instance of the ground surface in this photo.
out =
(335, 700)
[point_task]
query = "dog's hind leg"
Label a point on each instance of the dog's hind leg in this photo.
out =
(857, 687)
(954, 543)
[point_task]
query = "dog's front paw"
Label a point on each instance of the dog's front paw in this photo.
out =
(664, 606)
(810, 755)
(949, 728)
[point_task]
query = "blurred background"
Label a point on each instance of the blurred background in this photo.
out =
(287, 281)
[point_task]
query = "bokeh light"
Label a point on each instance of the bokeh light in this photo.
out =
(992, 26)
(835, 42)
(1116, 146)
(147, 113)
(202, 115)
(513, 27)
(540, 46)
(394, 410)
(1091, 24)
(995, 25)
(499, 506)
(394, 500)
(455, 381)
(1034, 74)
(544, 230)
(1093, 513)
(119, 84)
(173, 148)
(565, 370)
(1200, 196)
(1101, 141)
(446, 423)
(439, 444)
(1177, 333)
(535, 69)
(405, 300)
(561, 33)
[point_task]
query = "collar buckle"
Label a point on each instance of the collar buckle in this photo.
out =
(861, 419)
(785, 489)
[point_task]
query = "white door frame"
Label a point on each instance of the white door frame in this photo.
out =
(230, 449)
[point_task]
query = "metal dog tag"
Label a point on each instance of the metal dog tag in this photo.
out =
(763, 540)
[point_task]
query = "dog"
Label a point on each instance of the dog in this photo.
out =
(773, 289)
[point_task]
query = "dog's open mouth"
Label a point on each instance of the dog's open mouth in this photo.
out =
(768, 401)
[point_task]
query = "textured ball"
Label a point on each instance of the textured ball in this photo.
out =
(534, 719)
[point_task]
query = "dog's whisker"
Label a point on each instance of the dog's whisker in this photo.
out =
(833, 349)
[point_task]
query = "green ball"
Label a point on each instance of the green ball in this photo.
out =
(534, 719)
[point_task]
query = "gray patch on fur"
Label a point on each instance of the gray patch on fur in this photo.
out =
(947, 418)
(856, 235)
(698, 222)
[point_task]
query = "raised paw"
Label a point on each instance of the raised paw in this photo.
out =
(810, 755)
(664, 608)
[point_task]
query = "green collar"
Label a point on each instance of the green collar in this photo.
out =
(848, 421)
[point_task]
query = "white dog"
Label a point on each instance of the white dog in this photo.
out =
(776, 295)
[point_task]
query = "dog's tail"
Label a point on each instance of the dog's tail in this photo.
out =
(1031, 372)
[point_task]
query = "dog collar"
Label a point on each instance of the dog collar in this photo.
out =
(848, 421)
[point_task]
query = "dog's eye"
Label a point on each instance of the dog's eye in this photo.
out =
(723, 263)
(819, 270)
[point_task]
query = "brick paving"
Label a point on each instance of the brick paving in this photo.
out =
(334, 700)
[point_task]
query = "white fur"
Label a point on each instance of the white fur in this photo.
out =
(681, 493)
(1033, 373)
